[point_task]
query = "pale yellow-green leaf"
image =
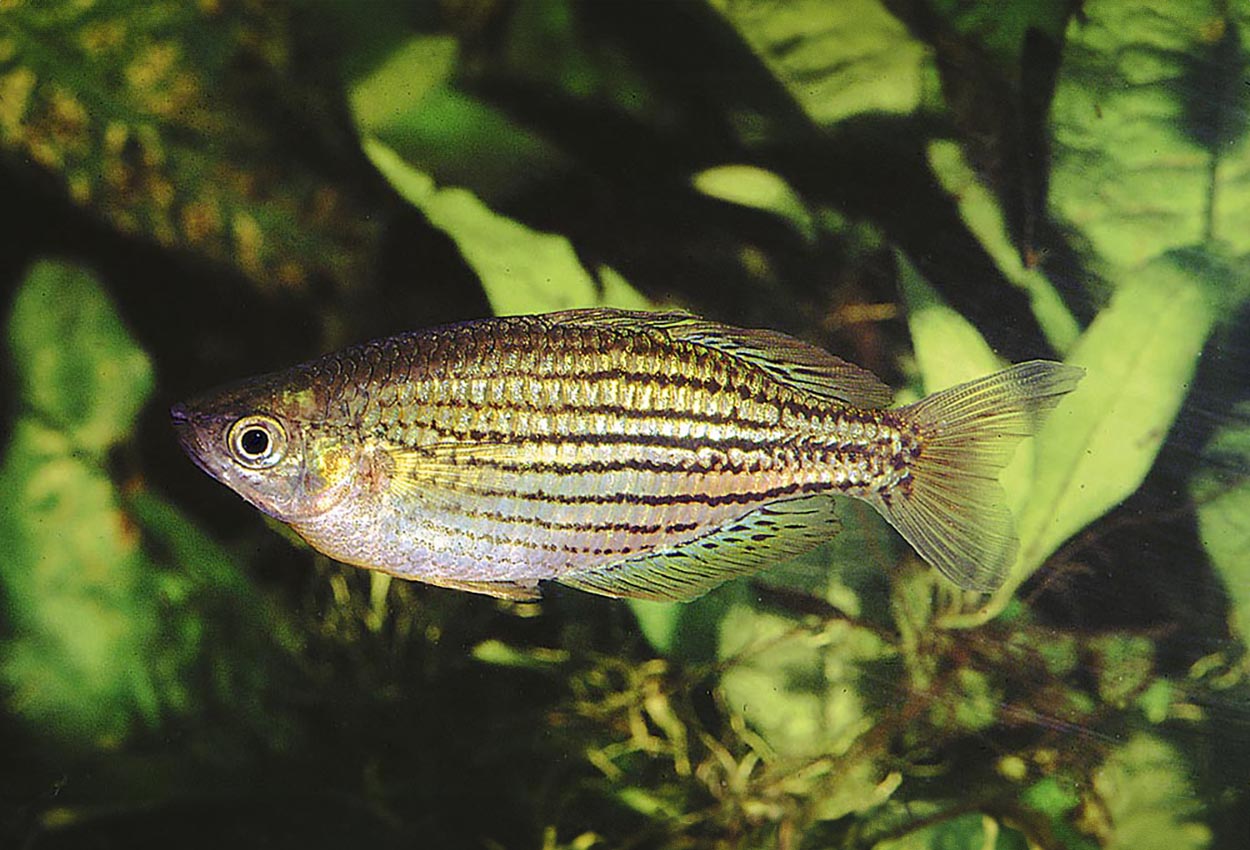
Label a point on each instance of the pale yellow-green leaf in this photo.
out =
(837, 60)
(751, 186)
(382, 100)
(73, 579)
(981, 212)
(71, 354)
(1222, 494)
(522, 270)
(1096, 448)
(1149, 798)
(797, 688)
(1127, 177)
(949, 349)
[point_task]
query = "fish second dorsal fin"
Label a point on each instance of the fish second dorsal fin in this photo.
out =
(784, 358)
(769, 535)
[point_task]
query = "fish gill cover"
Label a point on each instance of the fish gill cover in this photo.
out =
(197, 192)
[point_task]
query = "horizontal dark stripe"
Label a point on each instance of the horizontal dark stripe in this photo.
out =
(594, 467)
(689, 444)
(579, 527)
(652, 500)
(817, 453)
(499, 539)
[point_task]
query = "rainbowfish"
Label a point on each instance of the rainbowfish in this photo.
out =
(645, 455)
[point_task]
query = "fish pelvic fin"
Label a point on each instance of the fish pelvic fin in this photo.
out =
(954, 512)
(771, 534)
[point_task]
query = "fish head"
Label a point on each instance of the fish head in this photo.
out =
(262, 440)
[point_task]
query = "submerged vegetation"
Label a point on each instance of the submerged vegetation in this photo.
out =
(195, 192)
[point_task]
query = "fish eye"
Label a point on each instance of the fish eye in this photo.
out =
(257, 441)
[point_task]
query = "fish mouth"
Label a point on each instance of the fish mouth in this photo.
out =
(188, 432)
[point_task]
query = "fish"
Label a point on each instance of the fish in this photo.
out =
(647, 455)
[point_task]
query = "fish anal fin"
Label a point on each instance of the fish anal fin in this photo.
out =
(784, 358)
(770, 534)
(953, 511)
(517, 591)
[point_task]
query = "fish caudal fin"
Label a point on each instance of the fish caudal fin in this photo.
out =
(955, 514)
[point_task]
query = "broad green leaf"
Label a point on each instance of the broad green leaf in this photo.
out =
(409, 103)
(71, 353)
(981, 212)
(1221, 491)
(1096, 448)
(1150, 153)
(86, 620)
(802, 690)
(173, 121)
(522, 270)
(837, 60)
(1149, 799)
(949, 349)
(102, 589)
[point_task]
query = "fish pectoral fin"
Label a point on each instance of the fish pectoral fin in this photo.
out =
(422, 472)
(517, 591)
(791, 361)
(768, 535)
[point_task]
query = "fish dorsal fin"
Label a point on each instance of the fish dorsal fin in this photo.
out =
(784, 358)
(768, 535)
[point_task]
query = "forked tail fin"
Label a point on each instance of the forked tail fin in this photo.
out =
(955, 514)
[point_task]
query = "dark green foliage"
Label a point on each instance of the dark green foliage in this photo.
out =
(923, 187)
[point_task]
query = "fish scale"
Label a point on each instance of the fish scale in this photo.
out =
(634, 454)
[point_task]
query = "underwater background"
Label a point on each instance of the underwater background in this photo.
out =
(193, 192)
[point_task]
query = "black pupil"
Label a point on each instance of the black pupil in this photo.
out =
(254, 441)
